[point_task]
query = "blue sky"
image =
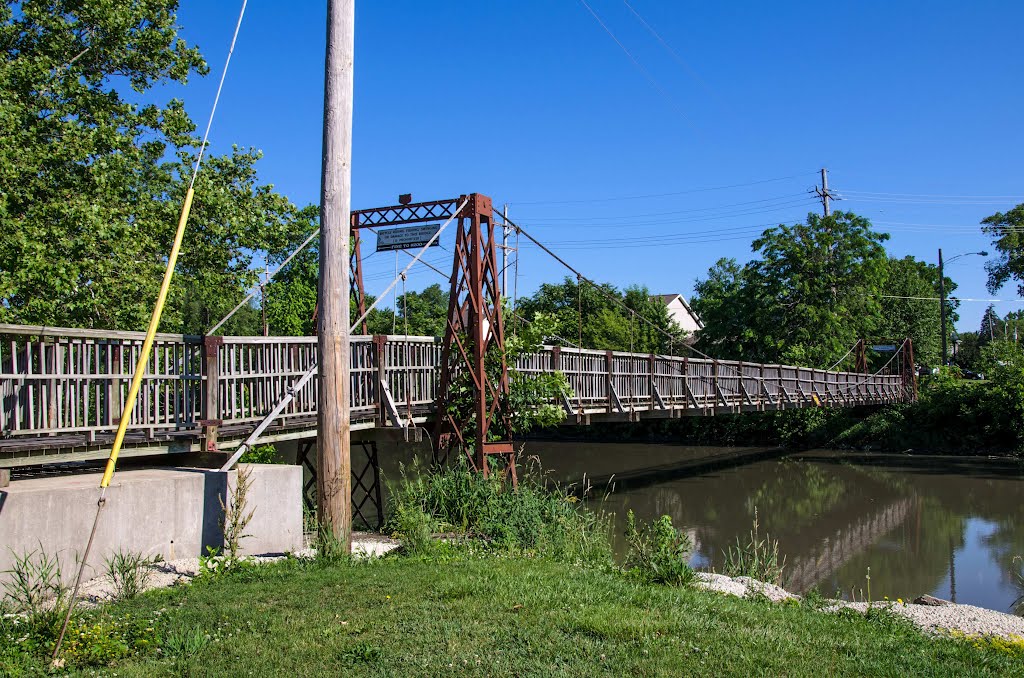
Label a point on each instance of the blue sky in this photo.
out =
(606, 148)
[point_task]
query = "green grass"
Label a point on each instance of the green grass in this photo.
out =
(500, 615)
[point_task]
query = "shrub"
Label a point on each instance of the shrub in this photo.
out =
(26, 643)
(35, 580)
(532, 518)
(129, 573)
(414, 528)
(658, 552)
(261, 454)
(757, 559)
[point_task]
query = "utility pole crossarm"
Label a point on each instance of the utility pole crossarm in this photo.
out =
(825, 194)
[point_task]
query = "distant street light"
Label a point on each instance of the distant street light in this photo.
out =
(942, 299)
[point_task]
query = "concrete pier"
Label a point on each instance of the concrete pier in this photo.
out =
(171, 512)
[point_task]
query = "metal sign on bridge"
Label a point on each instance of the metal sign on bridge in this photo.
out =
(409, 237)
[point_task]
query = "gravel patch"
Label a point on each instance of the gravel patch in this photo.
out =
(933, 619)
(742, 587)
(968, 619)
(184, 570)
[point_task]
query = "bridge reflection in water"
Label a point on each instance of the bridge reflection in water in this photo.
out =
(945, 526)
(63, 390)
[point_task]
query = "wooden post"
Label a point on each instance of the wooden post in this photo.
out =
(5, 477)
(608, 358)
(333, 458)
(382, 412)
(651, 382)
(761, 389)
(116, 396)
(211, 395)
(714, 384)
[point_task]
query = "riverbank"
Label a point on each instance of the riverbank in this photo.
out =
(909, 428)
(951, 416)
(502, 615)
(930, 615)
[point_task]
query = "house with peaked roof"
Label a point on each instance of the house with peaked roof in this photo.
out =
(680, 311)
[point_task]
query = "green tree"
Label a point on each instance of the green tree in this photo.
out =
(991, 326)
(811, 293)
(911, 286)
(78, 163)
(91, 183)
(233, 217)
(423, 313)
(968, 351)
(1007, 233)
(723, 302)
(581, 313)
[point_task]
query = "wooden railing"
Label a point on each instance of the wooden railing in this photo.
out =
(57, 381)
(65, 380)
(618, 381)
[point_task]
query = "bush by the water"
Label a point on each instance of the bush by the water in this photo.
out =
(532, 518)
(659, 552)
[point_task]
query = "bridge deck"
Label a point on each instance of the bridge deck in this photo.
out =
(63, 390)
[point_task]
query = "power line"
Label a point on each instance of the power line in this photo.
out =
(636, 62)
(627, 222)
(938, 195)
(987, 301)
(786, 197)
(675, 55)
(664, 195)
(920, 201)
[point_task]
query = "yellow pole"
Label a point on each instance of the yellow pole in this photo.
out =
(147, 345)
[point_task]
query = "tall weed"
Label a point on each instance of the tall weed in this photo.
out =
(35, 584)
(129, 573)
(758, 558)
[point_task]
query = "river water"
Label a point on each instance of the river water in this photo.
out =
(949, 527)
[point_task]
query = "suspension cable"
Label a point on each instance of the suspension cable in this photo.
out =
(147, 344)
(408, 352)
(579, 315)
(301, 381)
(847, 355)
(270, 276)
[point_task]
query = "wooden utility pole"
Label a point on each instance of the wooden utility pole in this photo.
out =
(824, 193)
(942, 311)
(333, 459)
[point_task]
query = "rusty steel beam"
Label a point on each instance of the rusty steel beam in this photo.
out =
(475, 332)
(411, 213)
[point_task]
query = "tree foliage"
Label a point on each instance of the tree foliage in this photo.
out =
(579, 313)
(808, 296)
(813, 289)
(909, 310)
(91, 182)
(1007, 233)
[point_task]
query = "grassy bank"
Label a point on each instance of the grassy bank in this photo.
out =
(527, 587)
(512, 616)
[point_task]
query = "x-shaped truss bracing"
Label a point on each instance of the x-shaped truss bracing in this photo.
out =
(474, 336)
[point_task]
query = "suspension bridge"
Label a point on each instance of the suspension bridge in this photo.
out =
(63, 390)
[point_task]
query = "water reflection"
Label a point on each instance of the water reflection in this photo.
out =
(947, 527)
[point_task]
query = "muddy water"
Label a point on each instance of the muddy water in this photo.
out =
(949, 527)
